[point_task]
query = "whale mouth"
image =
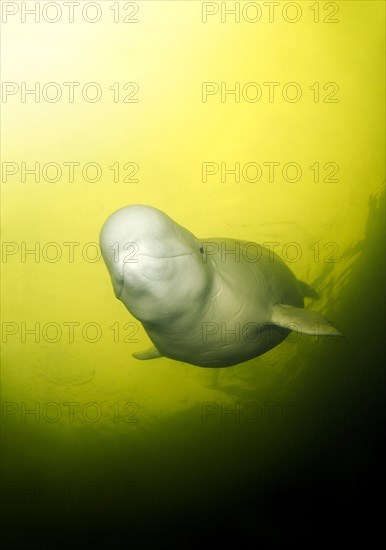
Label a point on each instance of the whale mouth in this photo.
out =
(119, 290)
(162, 257)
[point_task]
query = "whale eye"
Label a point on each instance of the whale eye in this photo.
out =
(202, 250)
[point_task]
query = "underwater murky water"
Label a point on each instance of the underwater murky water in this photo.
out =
(100, 448)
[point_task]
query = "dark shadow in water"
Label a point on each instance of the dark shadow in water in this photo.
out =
(356, 298)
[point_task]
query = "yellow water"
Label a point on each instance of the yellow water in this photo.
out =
(169, 133)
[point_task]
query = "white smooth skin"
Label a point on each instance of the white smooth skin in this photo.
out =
(190, 303)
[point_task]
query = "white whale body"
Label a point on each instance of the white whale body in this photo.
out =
(207, 302)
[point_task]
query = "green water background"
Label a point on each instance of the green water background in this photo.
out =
(301, 456)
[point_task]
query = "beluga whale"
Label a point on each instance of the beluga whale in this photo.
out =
(208, 302)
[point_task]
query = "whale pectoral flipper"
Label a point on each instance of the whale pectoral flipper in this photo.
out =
(151, 353)
(302, 320)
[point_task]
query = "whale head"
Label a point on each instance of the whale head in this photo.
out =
(156, 265)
